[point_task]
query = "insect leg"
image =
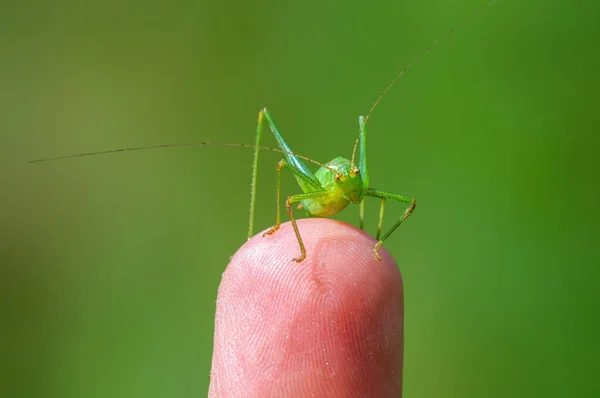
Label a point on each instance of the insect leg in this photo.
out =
(290, 157)
(288, 206)
(362, 159)
(361, 216)
(259, 127)
(313, 188)
(362, 166)
(380, 224)
(304, 176)
(385, 195)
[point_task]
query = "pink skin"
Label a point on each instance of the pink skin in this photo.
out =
(331, 326)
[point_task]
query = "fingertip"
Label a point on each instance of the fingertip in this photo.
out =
(331, 324)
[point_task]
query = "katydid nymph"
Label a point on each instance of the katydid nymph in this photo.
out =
(332, 187)
(330, 190)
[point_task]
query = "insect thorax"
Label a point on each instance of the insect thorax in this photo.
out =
(342, 184)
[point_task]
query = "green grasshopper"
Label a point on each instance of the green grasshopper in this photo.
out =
(335, 184)
(330, 190)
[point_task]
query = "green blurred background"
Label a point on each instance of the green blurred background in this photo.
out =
(111, 264)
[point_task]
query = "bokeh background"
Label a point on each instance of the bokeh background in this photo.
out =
(110, 264)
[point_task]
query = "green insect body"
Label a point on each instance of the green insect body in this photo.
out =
(328, 191)
(343, 182)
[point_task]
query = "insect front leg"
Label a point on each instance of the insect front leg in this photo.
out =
(316, 192)
(385, 195)
(288, 206)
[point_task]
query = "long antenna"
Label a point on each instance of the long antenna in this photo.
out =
(142, 148)
(446, 34)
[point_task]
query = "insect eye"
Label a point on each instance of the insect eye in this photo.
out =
(356, 171)
(338, 177)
